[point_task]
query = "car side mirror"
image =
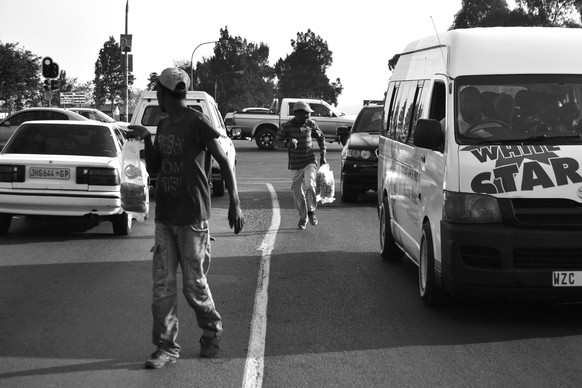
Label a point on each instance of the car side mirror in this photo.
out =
(428, 134)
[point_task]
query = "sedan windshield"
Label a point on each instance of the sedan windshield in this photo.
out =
(56, 139)
(519, 109)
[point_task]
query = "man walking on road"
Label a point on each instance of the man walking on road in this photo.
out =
(296, 135)
(180, 156)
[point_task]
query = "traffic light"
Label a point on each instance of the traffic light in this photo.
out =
(55, 84)
(50, 69)
(47, 85)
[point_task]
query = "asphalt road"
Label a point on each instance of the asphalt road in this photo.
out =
(301, 308)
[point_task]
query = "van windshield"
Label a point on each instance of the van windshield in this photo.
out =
(519, 109)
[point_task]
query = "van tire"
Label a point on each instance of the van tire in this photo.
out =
(388, 248)
(428, 289)
(265, 138)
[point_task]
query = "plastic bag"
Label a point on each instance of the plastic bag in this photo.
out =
(134, 191)
(325, 184)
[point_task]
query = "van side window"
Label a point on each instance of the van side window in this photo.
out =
(397, 122)
(416, 108)
(390, 102)
(438, 101)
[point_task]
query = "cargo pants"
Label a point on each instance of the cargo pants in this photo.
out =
(303, 186)
(189, 247)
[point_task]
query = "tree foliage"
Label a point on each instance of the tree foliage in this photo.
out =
(542, 13)
(20, 83)
(303, 72)
(109, 76)
(239, 73)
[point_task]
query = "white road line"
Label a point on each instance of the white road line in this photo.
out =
(254, 366)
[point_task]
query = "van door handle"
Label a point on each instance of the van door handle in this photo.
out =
(423, 158)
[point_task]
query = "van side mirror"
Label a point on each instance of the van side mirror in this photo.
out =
(428, 134)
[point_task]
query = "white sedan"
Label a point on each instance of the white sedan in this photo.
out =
(65, 168)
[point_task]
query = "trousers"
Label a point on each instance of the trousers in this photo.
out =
(187, 246)
(303, 188)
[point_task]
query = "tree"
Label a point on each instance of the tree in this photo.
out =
(19, 77)
(109, 76)
(303, 72)
(239, 73)
(552, 13)
(473, 12)
(543, 13)
(152, 81)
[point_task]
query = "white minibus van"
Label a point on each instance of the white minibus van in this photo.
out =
(480, 177)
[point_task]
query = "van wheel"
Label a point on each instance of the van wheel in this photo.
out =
(121, 224)
(5, 220)
(265, 138)
(347, 194)
(388, 248)
(429, 291)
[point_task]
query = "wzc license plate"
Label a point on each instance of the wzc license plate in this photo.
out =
(567, 279)
(49, 173)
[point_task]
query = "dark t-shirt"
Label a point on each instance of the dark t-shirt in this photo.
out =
(182, 187)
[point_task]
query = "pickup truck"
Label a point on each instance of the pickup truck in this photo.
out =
(148, 113)
(263, 127)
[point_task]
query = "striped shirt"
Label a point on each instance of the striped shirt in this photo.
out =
(303, 155)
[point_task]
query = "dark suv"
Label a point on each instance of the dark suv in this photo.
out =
(359, 163)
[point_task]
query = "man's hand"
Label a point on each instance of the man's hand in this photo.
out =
(293, 144)
(235, 217)
(322, 161)
(137, 132)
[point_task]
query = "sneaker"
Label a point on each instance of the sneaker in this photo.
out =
(209, 346)
(312, 218)
(302, 224)
(159, 360)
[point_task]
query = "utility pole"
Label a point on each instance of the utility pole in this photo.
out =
(126, 81)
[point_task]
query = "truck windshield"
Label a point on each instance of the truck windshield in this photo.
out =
(519, 109)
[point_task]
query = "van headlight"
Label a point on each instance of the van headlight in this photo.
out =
(464, 208)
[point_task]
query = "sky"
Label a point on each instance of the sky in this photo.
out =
(362, 36)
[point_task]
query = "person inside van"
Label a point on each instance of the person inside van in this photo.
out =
(569, 118)
(470, 108)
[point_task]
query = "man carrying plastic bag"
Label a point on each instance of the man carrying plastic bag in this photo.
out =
(296, 136)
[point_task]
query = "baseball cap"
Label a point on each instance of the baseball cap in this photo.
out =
(172, 77)
(302, 105)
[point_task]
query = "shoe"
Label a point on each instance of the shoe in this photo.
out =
(159, 360)
(302, 224)
(209, 346)
(312, 218)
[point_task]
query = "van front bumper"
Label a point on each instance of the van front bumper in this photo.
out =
(495, 259)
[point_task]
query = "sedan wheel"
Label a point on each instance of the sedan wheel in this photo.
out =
(121, 224)
(5, 220)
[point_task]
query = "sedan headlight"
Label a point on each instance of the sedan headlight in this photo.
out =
(463, 208)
